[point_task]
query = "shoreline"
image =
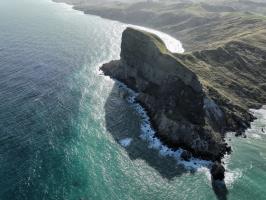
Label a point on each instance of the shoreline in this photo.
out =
(95, 139)
(143, 26)
(146, 128)
(149, 134)
(198, 29)
(173, 44)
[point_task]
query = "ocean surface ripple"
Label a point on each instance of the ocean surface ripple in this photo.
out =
(69, 133)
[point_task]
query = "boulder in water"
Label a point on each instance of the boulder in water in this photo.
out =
(217, 171)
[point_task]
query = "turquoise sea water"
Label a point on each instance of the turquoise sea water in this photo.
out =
(62, 123)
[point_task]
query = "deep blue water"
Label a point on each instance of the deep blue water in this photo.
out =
(61, 120)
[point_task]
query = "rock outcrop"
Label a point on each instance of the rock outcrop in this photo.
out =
(193, 99)
(217, 171)
(181, 112)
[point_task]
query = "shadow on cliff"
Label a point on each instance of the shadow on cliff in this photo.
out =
(123, 122)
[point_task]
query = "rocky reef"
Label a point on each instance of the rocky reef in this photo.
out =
(193, 99)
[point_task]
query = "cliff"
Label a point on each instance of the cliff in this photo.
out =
(170, 92)
(193, 98)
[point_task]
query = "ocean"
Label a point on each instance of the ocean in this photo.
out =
(67, 132)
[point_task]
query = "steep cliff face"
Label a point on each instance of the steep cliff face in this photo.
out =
(234, 76)
(181, 112)
(194, 98)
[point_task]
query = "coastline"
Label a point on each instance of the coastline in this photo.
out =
(132, 101)
(94, 138)
(196, 24)
(147, 132)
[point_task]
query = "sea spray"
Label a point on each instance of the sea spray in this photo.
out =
(172, 44)
(230, 175)
(255, 132)
(258, 127)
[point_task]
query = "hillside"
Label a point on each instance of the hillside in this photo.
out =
(198, 24)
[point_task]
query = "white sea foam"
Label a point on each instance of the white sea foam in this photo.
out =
(173, 45)
(195, 164)
(63, 5)
(125, 142)
(148, 134)
(258, 127)
(256, 136)
(254, 132)
(67, 7)
(231, 175)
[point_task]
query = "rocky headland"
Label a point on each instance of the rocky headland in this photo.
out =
(193, 99)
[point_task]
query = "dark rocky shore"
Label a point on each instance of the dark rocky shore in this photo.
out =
(191, 103)
(194, 98)
(170, 92)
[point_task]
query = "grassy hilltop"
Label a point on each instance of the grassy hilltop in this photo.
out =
(225, 43)
(198, 24)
